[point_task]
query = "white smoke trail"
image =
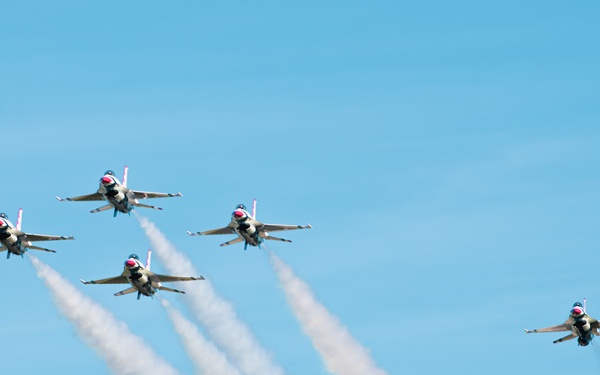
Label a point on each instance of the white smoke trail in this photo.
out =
(124, 352)
(212, 311)
(206, 357)
(342, 354)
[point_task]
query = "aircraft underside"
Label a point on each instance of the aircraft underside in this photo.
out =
(13, 247)
(120, 205)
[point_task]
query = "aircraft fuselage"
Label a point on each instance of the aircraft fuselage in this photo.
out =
(247, 228)
(117, 196)
(583, 330)
(138, 278)
(10, 240)
(12, 243)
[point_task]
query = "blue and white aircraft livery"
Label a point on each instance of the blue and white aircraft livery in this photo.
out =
(582, 326)
(119, 196)
(248, 229)
(18, 242)
(142, 280)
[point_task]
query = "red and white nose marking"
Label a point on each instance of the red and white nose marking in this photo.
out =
(130, 263)
(577, 311)
(2, 223)
(106, 180)
(238, 214)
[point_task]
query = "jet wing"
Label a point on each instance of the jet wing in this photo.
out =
(44, 237)
(558, 328)
(168, 278)
(226, 230)
(280, 227)
(147, 194)
(110, 280)
(89, 197)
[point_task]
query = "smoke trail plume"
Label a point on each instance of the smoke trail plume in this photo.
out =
(342, 354)
(124, 352)
(206, 357)
(212, 311)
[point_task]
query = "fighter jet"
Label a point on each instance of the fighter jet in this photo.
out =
(118, 195)
(17, 242)
(582, 326)
(142, 280)
(248, 229)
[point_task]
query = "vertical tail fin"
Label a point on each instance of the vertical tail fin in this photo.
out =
(254, 209)
(125, 176)
(584, 305)
(148, 259)
(19, 219)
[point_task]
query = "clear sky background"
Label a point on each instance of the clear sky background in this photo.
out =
(446, 154)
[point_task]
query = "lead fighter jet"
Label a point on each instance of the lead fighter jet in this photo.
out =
(142, 280)
(18, 242)
(118, 195)
(582, 326)
(248, 229)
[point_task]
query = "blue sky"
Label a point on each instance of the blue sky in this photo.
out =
(445, 154)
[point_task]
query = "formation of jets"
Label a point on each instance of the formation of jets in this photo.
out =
(122, 199)
(243, 224)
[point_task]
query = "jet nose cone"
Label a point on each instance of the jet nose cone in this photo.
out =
(129, 263)
(2, 223)
(577, 311)
(238, 214)
(106, 180)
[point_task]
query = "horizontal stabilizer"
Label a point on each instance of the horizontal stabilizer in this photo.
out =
(566, 338)
(103, 208)
(276, 239)
(41, 249)
(237, 240)
(147, 206)
(126, 291)
(170, 290)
